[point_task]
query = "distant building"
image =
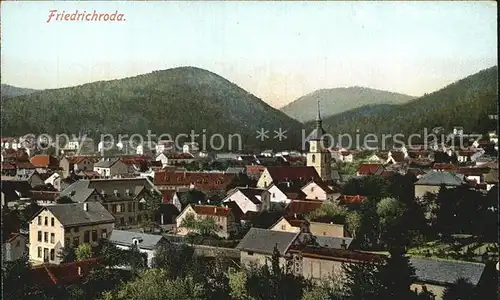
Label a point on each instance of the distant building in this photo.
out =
(319, 156)
(145, 243)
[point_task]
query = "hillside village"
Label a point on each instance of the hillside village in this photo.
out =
(311, 213)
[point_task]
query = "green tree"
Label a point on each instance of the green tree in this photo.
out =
(153, 202)
(238, 285)
(16, 279)
(361, 281)
(353, 222)
(67, 254)
(396, 276)
(390, 212)
(324, 291)
(328, 212)
(153, 284)
(83, 252)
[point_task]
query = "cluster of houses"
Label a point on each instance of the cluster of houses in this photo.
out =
(262, 202)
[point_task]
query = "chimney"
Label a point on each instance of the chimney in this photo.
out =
(199, 202)
(115, 192)
(80, 273)
(208, 201)
(215, 209)
(85, 206)
(295, 216)
(162, 219)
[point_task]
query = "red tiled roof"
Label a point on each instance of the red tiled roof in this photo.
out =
(167, 196)
(180, 156)
(202, 180)
(44, 195)
(466, 153)
(50, 275)
(473, 171)
(388, 173)
(444, 166)
(293, 173)
(255, 169)
(7, 166)
(348, 199)
(44, 161)
(370, 169)
(211, 210)
(301, 207)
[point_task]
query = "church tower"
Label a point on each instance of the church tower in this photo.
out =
(319, 156)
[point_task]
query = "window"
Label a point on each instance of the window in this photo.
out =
(52, 254)
(250, 253)
(76, 241)
(104, 233)
(119, 208)
(113, 208)
(133, 207)
(130, 220)
(313, 158)
(283, 227)
(39, 236)
(274, 195)
(52, 238)
(40, 223)
(45, 237)
(94, 235)
(312, 189)
(46, 221)
(130, 207)
(39, 252)
(86, 236)
(52, 222)
(77, 229)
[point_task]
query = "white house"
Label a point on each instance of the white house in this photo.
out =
(146, 243)
(110, 167)
(54, 180)
(163, 158)
(320, 191)
(248, 199)
(145, 149)
(14, 248)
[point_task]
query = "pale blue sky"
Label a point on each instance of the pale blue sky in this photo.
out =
(277, 51)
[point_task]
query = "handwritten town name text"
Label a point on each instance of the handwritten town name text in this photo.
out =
(54, 15)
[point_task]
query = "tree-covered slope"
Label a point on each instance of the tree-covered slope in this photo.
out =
(9, 91)
(467, 103)
(338, 100)
(173, 101)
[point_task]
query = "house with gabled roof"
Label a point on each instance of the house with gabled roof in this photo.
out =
(125, 198)
(302, 207)
(319, 190)
(203, 181)
(60, 225)
(75, 164)
(283, 192)
(396, 157)
(110, 167)
(436, 275)
(223, 217)
(286, 173)
(432, 182)
(145, 243)
(370, 169)
(248, 199)
(45, 163)
(257, 246)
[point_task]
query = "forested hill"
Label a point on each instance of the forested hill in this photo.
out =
(9, 91)
(172, 101)
(338, 100)
(467, 103)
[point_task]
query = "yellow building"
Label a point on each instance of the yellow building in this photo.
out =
(60, 225)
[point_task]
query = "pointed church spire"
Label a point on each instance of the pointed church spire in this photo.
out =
(319, 115)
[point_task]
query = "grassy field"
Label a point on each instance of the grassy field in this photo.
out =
(459, 247)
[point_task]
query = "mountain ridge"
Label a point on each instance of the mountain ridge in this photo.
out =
(173, 101)
(9, 91)
(466, 102)
(338, 100)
